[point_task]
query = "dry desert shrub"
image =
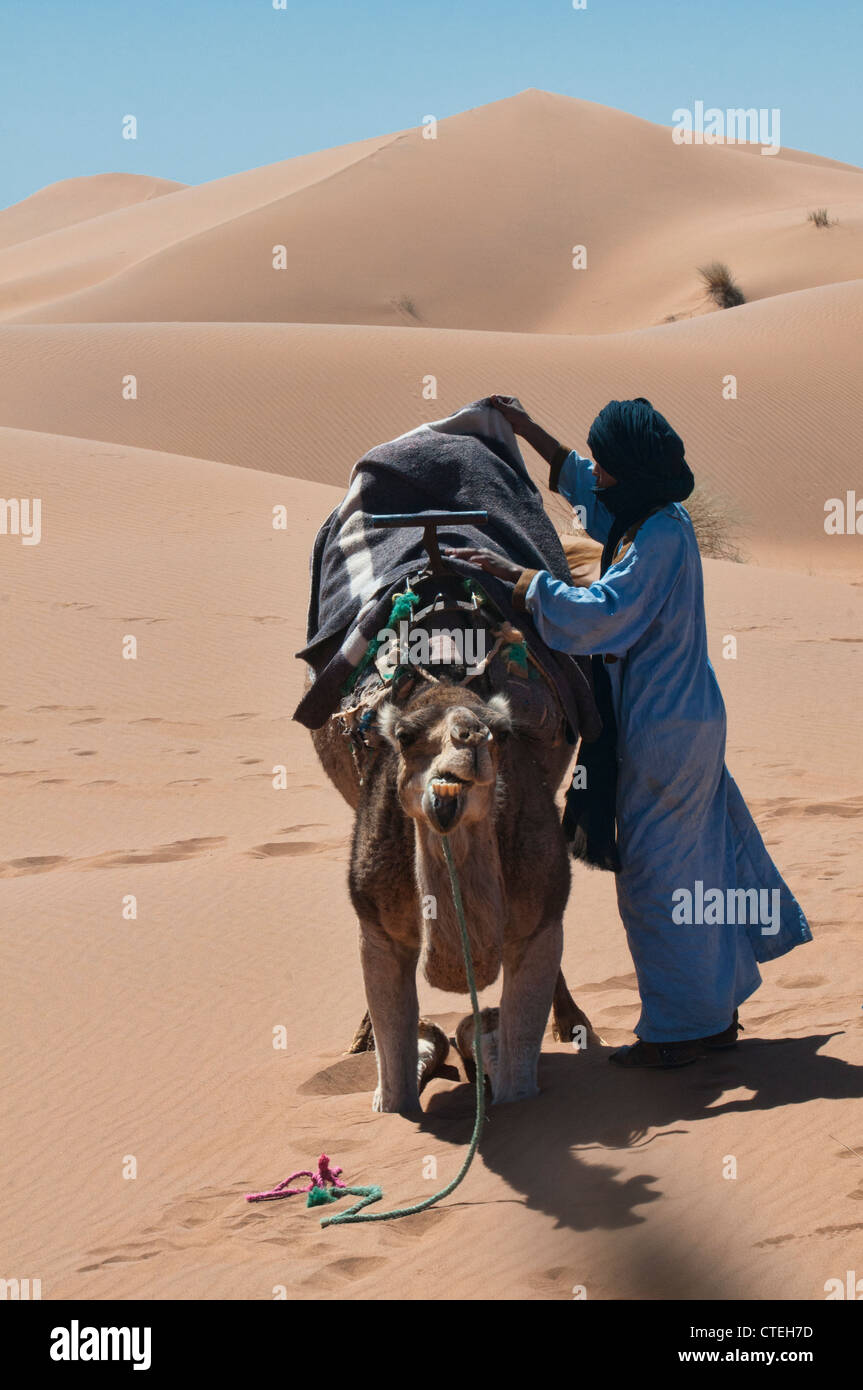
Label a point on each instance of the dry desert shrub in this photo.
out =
(820, 218)
(715, 529)
(715, 525)
(721, 285)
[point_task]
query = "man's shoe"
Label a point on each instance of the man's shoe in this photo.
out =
(721, 1042)
(658, 1055)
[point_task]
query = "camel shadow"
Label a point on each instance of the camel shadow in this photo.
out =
(586, 1104)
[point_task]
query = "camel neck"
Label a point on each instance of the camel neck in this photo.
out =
(466, 841)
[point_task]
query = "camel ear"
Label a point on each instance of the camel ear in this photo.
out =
(499, 717)
(387, 718)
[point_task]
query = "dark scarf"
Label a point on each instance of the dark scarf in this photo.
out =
(638, 447)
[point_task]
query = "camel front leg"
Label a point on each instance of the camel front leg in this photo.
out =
(389, 972)
(530, 969)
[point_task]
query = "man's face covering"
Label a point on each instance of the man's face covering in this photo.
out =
(637, 446)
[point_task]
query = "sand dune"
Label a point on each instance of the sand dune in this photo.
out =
(474, 230)
(109, 242)
(72, 201)
(410, 262)
(308, 400)
(153, 777)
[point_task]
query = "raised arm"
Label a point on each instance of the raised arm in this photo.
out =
(569, 473)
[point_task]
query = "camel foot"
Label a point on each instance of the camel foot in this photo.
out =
(433, 1050)
(364, 1038)
(409, 1106)
(464, 1044)
(569, 1023)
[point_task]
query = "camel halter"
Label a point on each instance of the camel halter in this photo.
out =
(325, 1185)
(374, 1194)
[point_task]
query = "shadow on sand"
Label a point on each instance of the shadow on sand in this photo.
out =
(587, 1105)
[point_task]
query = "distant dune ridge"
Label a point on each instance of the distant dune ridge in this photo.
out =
(475, 228)
(168, 395)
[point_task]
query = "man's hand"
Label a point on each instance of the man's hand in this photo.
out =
(511, 411)
(487, 560)
(539, 439)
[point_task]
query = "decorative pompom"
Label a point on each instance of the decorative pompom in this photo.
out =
(319, 1196)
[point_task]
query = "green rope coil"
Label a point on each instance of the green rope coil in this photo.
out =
(374, 1194)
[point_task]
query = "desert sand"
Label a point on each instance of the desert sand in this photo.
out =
(150, 1038)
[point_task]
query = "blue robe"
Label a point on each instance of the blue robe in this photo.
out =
(688, 844)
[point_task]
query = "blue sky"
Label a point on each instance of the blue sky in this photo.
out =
(223, 85)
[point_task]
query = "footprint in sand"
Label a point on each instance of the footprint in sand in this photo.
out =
(162, 854)
(184, 1222)
(613, 982)
(803, 982)
(31, 864)
(340, 1272)
(348, 1076)
(41, 709)
(556, 1282)
(274, 850)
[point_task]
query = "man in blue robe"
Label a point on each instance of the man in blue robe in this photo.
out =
(700, 898)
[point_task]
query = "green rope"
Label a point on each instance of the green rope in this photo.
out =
(402, 607)
(374, 1194)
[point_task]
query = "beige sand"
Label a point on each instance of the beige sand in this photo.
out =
(152, 1037)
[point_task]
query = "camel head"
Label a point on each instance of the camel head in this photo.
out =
(448, 741)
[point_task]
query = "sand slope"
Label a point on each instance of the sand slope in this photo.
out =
(153, 1037)
(473, 229)
(421, 275)
(72, 201)
(308, 400)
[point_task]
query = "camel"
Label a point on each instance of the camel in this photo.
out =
(483, 769)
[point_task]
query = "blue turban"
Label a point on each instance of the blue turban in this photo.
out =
(638, 447)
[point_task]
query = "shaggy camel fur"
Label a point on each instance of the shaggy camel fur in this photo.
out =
(450, 762)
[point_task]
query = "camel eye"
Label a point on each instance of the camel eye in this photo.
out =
(406, 736)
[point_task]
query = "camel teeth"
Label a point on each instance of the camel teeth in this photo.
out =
(446, 788)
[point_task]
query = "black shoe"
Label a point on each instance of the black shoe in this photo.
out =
(657, 1055)
(721, 1042)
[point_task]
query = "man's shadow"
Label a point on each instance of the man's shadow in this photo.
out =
(587, 1104)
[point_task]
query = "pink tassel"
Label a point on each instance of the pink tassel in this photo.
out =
(324, 1175)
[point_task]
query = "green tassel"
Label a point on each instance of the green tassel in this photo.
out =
(319, 1196)
(402, 607)
(516, 654)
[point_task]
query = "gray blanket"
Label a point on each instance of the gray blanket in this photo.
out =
(469, 461)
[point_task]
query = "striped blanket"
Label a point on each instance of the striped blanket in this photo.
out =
(469, 461)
